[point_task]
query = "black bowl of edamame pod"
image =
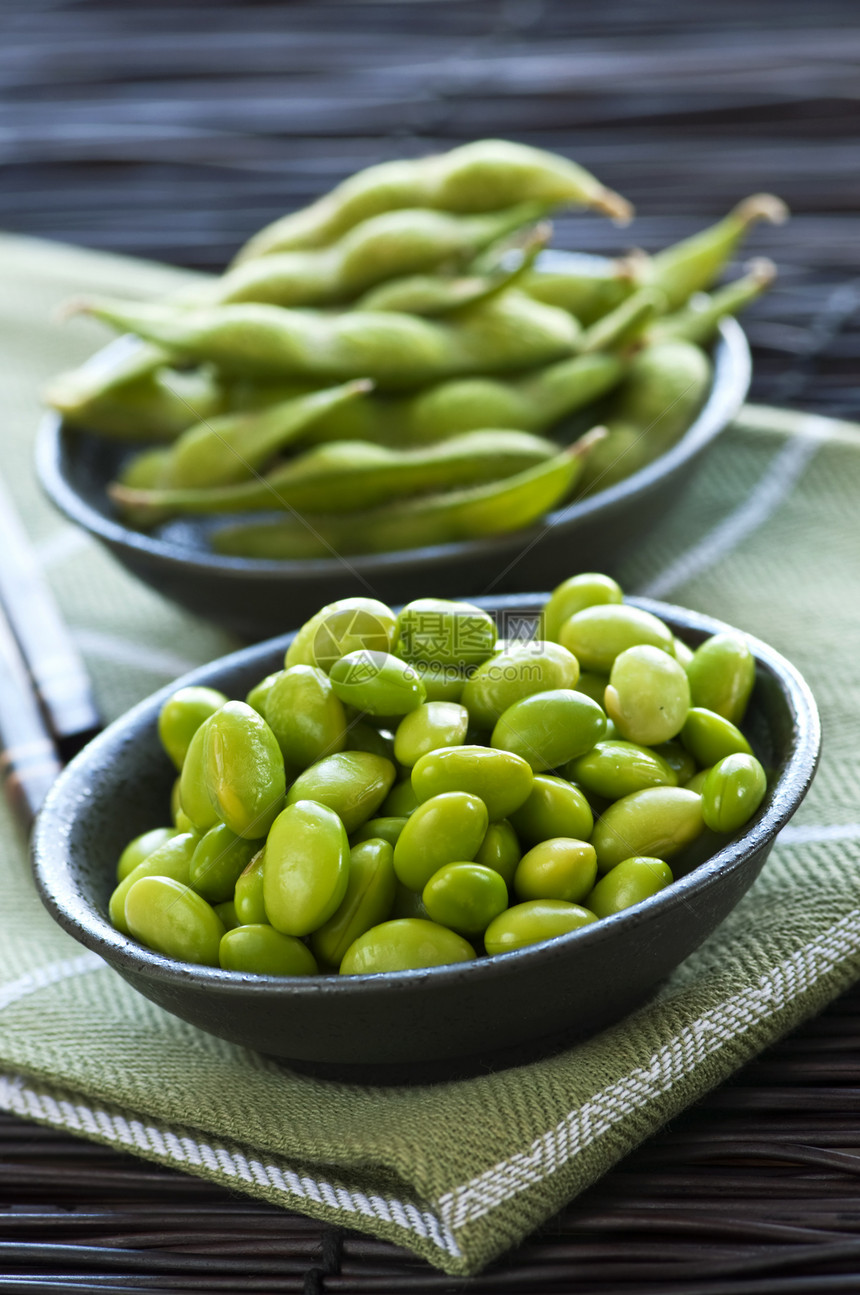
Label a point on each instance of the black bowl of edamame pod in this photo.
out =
(246, 595)
(430, 1023)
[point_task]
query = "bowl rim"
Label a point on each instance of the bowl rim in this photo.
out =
(730, 380)
(54, 875)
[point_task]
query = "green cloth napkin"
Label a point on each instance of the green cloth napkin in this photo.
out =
(767, 539)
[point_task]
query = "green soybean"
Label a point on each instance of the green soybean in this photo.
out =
(305, 867)
(501, 779)
(140, 847)
(532, 922)
(430, 726)
(385, 828)
(732, 792)
(353, 784)
(448, 828)
(445, 633)
(226, 911)
(657, 822)
(597, 634)
(170, 859)
(709, 737)
(219, 859)
(262, 951)
(558, 868)
(400, 801)
(722, 674)
(465, 897)
(517, 671)
(173, 919)
(587, 589)
(484, 175)
(549, 728)
(648, 695)
(554, 808)
(363, 736)
(243, 769)
(628, 883)
(248, 896)
(182, 714)
(500, 850)
(377, 682)
(305, 715)
(340, 627)
(404, 944)
(614, 768)
(367, 901)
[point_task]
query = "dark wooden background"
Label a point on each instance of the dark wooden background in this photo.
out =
(173, 132)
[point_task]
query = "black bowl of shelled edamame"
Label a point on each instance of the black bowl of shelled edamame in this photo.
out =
(246, 595)
(439, 1020)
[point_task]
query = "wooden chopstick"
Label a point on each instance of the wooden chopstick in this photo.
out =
(29, 759)
(50, 657)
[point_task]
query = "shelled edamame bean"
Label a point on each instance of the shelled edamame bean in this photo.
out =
(445, 830)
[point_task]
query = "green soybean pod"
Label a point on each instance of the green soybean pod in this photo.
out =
(248, 895)
(697, 321)
(628, 883)
(140, 847)
(501, 779)
(657, 822)
(597, 634)
(377, 682)
(305, 715)
(368, 901)
(353, 784)
(465, 897)
(343, 626)
(532, 922)
(614, 768)
(260, 950)
(173, 919)
(588, 286)
(732, 792)
(404, 944)
(219, 859)
(385, 828)
(554, 808)
(709, 737)
(448, 828)
(517, 671)
(243, 770)
(722, 674)
(181, 716)
(445, 633)
(588, 589)
(665, 386)
(558, 868)
(648, 696)
(550, 728)
(500, 850)
(432, 725)
(305, 867)
(170, 859)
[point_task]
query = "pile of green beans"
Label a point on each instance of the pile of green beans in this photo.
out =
(349, 340)
(410, 790)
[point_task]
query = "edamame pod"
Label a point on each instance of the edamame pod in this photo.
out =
(587, 286)
(367, 901)
(484, 175)
(348, 476)
(549, 728)
(260, 950)
(493, 509)
(501, 779)
(532, 922)
(657, 822)
(353, 784)
(154, 405)
(404, 944)
(697, 322)
(305, 867)
(173, 919)
(510, 331)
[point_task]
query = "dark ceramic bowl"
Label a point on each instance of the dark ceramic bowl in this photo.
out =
(416, 1024)
(247, 596)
